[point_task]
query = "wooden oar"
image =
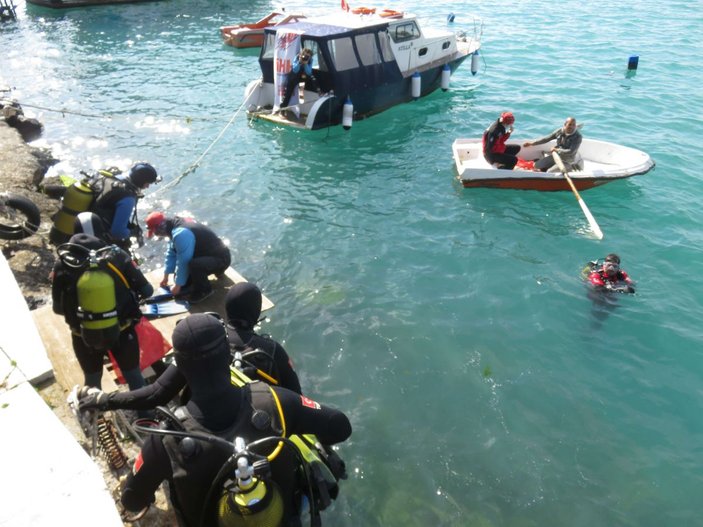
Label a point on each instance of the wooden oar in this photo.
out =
(591, 220)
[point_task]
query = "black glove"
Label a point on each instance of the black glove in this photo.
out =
(90, 398)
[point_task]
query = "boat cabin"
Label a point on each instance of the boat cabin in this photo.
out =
(367, 61)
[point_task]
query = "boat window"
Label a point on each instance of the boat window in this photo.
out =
(342, 53)
(446, 44)
(385, 41)
(422, 52)
(269, 46)
(366, 46)
(404, 32)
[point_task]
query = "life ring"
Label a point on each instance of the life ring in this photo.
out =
(363, 11)
(390, 13)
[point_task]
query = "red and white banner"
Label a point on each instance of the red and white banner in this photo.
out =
(287, 47)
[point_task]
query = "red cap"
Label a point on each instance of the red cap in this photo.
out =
(507, 118)
(153, 221)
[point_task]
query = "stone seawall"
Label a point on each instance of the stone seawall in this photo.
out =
(22, 169)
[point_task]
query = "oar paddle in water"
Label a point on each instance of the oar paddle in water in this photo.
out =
(591, 220)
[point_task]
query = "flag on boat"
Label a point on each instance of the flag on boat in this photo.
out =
(345, 6)
(287, 47)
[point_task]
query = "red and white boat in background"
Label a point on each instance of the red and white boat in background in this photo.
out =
(252, 35)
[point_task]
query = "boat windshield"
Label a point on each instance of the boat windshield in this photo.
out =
(405, 31)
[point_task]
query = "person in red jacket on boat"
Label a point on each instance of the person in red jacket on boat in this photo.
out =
(610, 277)
(494, 148)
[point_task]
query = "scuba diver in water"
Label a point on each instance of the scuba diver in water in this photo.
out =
(608, 276)
(220, 409)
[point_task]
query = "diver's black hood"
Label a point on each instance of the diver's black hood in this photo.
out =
(202, 352)
(243, 305)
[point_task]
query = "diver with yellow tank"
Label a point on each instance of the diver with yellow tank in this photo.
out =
(111, 195)
(96, 287)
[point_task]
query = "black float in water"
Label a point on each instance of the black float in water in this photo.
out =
(632, 63)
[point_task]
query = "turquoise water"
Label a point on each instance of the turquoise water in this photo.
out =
(484, 386)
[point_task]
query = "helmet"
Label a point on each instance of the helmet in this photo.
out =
(143, 174)
(153, 222)
(507, 118)
(243, 304)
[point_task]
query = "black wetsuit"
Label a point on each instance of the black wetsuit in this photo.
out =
(494, 148)
(65, 302)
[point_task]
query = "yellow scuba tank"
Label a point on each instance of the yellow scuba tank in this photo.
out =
(97, 307)
(257, 504)
(78, 198)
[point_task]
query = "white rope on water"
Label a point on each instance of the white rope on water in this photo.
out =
(196, 163)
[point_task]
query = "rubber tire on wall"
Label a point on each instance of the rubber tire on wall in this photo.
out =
(25, 228)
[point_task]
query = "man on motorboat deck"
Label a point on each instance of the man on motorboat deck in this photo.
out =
(495, 151)
(568, 142)
(194, 252)
(301, 69)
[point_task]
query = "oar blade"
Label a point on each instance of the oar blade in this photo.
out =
(591, 220)
(586, 212)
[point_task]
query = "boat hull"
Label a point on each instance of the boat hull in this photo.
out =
(603, 162)
(245, 39)
(367, 101)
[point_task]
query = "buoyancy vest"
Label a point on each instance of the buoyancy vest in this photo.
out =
(256, 357)
(195, 464)
(494, 139)
(207, 243)
(110, 192)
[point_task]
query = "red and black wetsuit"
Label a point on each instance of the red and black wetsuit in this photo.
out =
(494, 148)
(599, 278)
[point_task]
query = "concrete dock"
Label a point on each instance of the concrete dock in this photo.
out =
(47, 478)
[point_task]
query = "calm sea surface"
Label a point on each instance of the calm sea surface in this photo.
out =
(484, 386)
